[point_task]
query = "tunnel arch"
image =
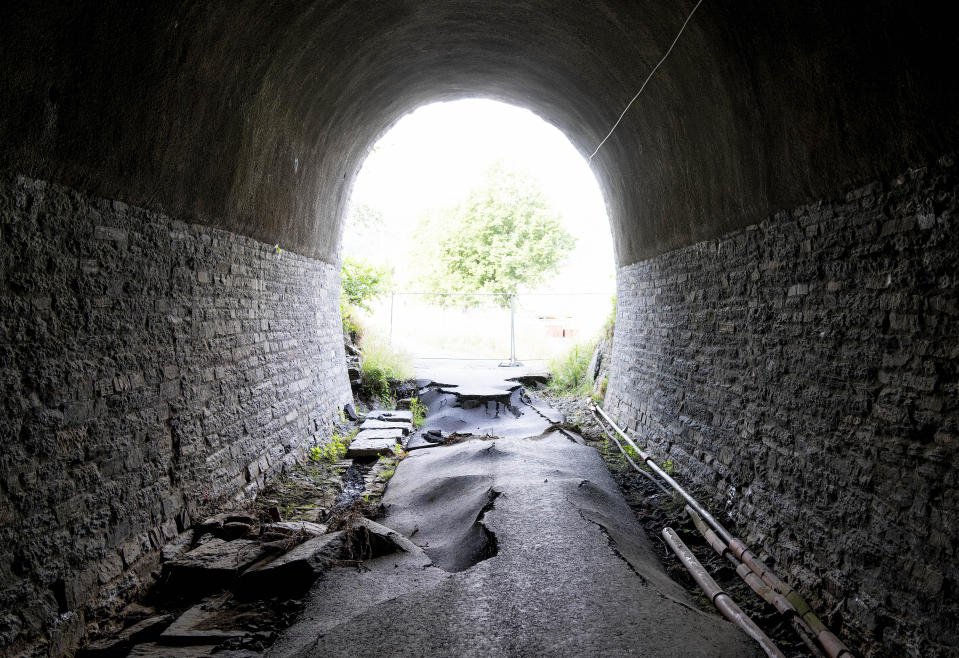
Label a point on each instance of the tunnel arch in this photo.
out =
(782, 201)
(761, 105)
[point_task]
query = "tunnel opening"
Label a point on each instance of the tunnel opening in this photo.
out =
(498, 183)
(173, 179)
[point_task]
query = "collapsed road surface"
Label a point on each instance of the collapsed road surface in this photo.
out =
(520, 543)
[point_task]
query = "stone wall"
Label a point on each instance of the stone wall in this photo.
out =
(803, 372)
(151, 369)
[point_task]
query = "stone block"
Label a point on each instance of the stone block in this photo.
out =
(371, 424)
(291, 573)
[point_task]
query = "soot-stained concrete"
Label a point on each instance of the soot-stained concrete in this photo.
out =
(257, 119)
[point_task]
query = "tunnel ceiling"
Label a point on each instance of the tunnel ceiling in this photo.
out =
(255, 117)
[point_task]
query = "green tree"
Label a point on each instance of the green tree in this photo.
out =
(361, 282)
(502, 236)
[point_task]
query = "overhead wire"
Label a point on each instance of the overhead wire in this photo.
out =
(648, 78)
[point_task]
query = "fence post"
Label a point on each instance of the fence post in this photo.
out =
(512, 328)
(392, 299)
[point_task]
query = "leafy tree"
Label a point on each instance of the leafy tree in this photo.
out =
(502, 236)
(361, 282)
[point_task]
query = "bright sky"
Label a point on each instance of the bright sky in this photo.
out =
(433, 156)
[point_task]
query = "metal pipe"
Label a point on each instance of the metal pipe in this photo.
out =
(392, 301)
(756, 583)
(723, 602)
(512, 328)
(670, 481)
(831, 644)
(630, 460)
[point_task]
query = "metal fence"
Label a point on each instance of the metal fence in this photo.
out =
(510, 327)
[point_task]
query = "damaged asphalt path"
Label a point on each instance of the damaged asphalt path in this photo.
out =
(518, 546)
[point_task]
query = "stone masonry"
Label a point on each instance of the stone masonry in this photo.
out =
(151, 370)
(804, 372)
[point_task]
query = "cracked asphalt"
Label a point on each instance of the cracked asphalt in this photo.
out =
(524, 546)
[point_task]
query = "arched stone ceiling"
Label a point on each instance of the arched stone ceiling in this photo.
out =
(256, 116)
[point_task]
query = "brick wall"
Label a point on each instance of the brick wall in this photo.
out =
(804, 372)
(151, 369)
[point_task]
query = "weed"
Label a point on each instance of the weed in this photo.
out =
(419, 412)
(333, 450)
(667, 467)
(380, 366)
(571, 370)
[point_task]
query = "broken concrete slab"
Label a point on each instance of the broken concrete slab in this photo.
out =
(215, 564)
(294, 571)
(369, 539)
(372, 443)
(373, 424)
(198, 625)
(296, 528)
(421, 440)
(390, 414)
(394, 434)
(371, 447)
(120, 644)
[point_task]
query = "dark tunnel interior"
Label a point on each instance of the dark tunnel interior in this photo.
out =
(783, 206)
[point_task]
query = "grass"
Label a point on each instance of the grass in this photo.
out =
(419, 412)
(571, 370)
(382, 365)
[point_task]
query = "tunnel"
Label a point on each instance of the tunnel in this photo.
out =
(782, 199)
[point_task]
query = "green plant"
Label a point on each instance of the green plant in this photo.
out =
(380, 366)
(610, 323)
(361, 282)
(333, 450)
(419, 412)
(667, 467)
(571, 370)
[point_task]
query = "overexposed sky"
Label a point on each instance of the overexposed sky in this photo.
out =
(433, 156)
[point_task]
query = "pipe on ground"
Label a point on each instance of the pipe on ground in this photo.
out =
(723, 602)
(831, 644)
(756, 583)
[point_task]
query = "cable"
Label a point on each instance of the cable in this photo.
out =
(648, 78)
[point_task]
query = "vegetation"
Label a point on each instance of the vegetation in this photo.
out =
(333, 450)
(419, 412)
(502, 236)
(380, 366)
(570, 371)
(360, 284)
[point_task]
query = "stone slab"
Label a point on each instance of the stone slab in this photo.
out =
(372, 424)
(294, 571)
(390, 414)
(214, 564)
(386, 433)
(372, 447)
(296, 528)
(120, 644)
(197, 626)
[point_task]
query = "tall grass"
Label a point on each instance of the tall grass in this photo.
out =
(381, 365)
(571, 370)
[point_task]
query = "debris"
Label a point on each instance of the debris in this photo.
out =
(198, 626)
(119, 644)
(293, 572)
(213, 565)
